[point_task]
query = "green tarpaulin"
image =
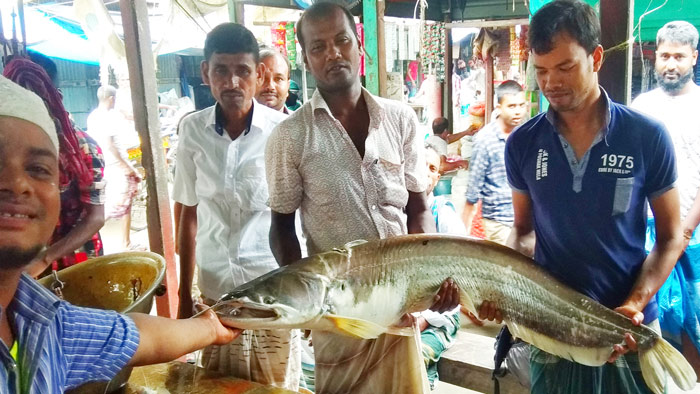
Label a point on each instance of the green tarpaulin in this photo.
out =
(668, 10)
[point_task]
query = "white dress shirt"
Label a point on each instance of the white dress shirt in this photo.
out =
(226, 180)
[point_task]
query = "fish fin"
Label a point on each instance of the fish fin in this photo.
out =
(354, 243)
(583, 355)
(401, 331)
(663, 358)
(356, 327)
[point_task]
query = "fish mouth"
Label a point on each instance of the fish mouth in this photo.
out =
(246, 311)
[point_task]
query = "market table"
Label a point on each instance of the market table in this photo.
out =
(180, 378)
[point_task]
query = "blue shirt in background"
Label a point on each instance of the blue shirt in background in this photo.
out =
(62, 346)
(590, 214)
(487, 176)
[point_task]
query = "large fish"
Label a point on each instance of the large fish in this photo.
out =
(364, 288)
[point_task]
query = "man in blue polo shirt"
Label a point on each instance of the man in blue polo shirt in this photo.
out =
(581, 175)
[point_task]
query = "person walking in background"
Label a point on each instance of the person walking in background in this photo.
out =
(674, 102)
(106, 125)
(487, 177)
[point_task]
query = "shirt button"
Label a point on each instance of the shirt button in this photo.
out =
(374, 207)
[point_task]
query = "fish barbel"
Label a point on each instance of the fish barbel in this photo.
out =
(364, 288)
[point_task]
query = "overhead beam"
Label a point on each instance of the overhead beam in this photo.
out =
(142, 77)
(235, 11)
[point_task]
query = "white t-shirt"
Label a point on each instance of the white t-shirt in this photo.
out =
(678, 115)
(104, 125)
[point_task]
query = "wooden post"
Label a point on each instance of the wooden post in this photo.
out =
(488, 64)
(447, 107)
(142, 76)
(235, 11)
(616, 24)
(369, 22)
(381, 47)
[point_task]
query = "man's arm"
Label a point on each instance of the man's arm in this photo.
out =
(522, 236)
(691, 222)
(448, 166)
(88, 226)
(183, 336)
(656, 267)
(659, 263)
(420, 219)
(471, 130)
(187, 245)
(283, 238)
(468, 215)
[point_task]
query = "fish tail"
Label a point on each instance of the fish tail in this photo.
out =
(662, 358)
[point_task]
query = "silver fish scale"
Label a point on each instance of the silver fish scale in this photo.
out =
(522, 291)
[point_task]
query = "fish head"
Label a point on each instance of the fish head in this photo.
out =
(284, 298)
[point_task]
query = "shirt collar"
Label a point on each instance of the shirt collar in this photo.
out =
(217, 119)
(34, 301)
(551, 115)
(374, 107)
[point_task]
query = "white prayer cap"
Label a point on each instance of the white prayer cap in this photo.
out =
(18, 102)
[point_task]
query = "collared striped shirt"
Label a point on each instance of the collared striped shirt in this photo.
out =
(487, 176)
(60, 345)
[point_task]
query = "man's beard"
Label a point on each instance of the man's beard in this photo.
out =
(14, 258)
(673, 87)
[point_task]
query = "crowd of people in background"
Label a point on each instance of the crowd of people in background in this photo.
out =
(260, 183)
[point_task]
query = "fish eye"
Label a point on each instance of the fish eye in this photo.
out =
(342, 286)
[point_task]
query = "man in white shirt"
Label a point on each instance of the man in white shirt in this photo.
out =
(674, 102)
(225, 221)
(107, 126)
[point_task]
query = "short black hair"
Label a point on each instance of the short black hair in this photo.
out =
(231, 38)
(506, 88)
(266, 52)
(440, 124)
(573, 17)
(322, 10)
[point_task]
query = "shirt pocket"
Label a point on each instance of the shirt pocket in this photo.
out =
(623, 195)
(251, 186)
(392, 184)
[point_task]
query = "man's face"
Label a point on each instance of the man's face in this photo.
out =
(29, 197)
(513, 108)
(674, 65)
(567, 74)
(233, 79)
(332, 52)
(275, 84)
(432, 161)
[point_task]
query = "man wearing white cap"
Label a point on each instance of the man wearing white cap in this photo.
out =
(48, 345)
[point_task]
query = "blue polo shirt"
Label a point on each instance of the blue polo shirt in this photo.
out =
(590, 214)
